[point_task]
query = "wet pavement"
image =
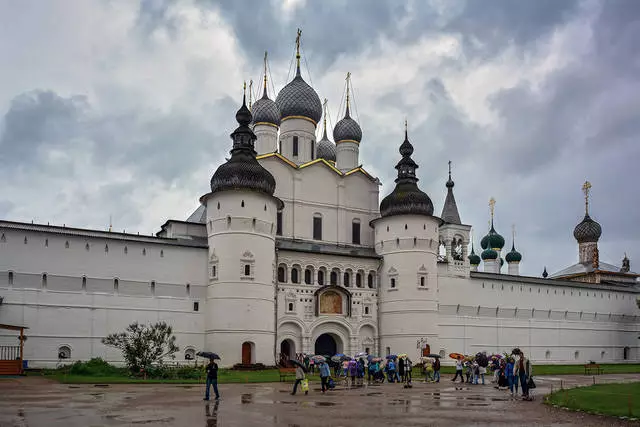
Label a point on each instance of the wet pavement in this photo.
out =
(37, 402)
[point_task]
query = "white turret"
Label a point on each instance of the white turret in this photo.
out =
(266, 119)
(407, 238)
(454, 234)
(347, 135)
(241, 214)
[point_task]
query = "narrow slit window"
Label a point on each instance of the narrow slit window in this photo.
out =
(317, 227)
(355, 232)
(279, 223)
(295, 146)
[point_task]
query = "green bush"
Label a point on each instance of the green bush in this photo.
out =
(95, 368)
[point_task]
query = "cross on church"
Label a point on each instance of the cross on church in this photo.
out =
(449, 169)
(492, 205)
(586, 187)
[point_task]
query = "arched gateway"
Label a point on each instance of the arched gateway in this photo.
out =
(326, 345)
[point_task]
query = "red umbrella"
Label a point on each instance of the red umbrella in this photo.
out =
(456, 356)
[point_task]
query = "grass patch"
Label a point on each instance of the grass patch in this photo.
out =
(569, 369)
(605, 399)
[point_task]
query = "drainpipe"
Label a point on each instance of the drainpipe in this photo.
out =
(379, 351)
(275, 311)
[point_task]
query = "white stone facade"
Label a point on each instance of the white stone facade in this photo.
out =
(257, 278)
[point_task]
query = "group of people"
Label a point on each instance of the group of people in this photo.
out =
(508, 371)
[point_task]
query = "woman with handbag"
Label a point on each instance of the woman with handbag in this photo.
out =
(300, 377)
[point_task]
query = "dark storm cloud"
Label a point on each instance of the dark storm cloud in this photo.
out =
(337, 27)
(38, 117)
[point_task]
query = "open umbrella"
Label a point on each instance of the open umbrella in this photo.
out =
(516, 351)
(434, 356)
(456, 356)
(361, 354)
(337, 358)
(208, 355)
(402, 356)
(318, 358)
(392, 356)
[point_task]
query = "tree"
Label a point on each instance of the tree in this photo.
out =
(143, 345)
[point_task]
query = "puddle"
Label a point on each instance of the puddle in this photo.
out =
(101, 385)
(374, 393)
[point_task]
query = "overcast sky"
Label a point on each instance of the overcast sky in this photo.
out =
(123, 108)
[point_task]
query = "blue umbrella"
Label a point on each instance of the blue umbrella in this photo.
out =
(392, 356)
(208, 355)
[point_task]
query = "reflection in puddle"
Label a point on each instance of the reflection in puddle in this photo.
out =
(211, 413)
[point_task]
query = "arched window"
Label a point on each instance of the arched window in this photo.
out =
(358, 280)
(321, 277)
(355, 231)
(44, 280)
(370, 281)
(422, 281)
(393, 282)
(188, 290)
(189, 354)
(64, 352)
(347, 279)
(10, 278)
(294, 275)
(333, 278)
(576, 355)
(84, 283)
(295, 146)
(116, 284)
(106, 248)
(366, 310)
(86, 247)
(66, 244)
(317, 227)
(214, 272)
(281, 274)
(153, 287)
(247, 270)
(290, 306)
(547, 355)
(308, 276)
(626, 353)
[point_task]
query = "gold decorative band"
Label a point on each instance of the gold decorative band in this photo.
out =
(348, 140)
(265, 123)
(299, 117)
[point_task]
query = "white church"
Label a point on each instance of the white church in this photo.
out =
(293, 252)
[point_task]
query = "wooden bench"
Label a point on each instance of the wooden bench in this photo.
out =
(592, 368)
(286, 372)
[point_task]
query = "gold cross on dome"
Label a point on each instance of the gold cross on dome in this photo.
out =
(492, 205)
(298, 41)
(586, 189)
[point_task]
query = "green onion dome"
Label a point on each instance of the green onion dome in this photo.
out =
(492, 240)
(489, 255)
(513, 255)
(473, 258)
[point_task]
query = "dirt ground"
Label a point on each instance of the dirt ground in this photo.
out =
(37, 402)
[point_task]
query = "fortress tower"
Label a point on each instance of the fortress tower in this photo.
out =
(406, 235)
(241, 216)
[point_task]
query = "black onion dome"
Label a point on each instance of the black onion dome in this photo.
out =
(265, 111)
(297, 98)
(242, 171)
(347, 129)
(587, 231)
(326, 149)
(406, 198)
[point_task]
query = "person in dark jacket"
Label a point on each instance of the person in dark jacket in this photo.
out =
(436, 369)
(212, 379)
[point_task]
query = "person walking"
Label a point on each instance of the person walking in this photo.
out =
(401, 370)
(408, 367)
(458, 371)
(212, 379)
(300, 376)
(325, 373)
(483, 363)
(436, 369)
